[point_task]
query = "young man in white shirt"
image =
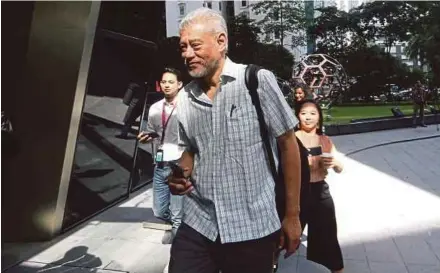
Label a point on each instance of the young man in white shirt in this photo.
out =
(162, 127)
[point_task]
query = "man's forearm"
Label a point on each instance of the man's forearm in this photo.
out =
(290, 160)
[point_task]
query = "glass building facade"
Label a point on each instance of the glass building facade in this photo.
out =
(75, 74)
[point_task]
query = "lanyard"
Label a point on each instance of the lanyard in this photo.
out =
(165, 121)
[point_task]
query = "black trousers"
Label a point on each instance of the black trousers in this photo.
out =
(191, 252)
(318, 212)
(134, 110)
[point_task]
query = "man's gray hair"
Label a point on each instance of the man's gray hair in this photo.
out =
(211, 17)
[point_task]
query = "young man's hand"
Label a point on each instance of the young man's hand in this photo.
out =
(144, 137)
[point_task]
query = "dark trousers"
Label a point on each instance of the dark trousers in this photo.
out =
(318, 213)
(134, 110)
(191, 252)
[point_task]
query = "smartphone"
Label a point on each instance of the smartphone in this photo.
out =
(315, 151)
(177, 170)
(153, 135)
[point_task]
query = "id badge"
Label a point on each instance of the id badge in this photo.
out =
(159, 156)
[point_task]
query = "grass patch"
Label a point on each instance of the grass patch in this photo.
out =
(344, 114)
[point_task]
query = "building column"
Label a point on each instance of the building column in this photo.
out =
(50, 56)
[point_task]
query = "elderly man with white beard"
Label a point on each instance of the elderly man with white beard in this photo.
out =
(230, 221)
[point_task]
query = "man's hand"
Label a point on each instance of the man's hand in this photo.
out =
(144, 137)
(291, 162)
(290, 235)
(179, 185)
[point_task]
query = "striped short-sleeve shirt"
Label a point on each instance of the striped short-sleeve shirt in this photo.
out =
(234, 195)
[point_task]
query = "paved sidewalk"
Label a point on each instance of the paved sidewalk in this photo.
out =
(387, 203)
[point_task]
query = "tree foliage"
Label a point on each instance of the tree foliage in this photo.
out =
(332, 28)
(283, 19)
(386, 20)
(377, 69)
(351, 37)
(243, 38)
(244, 47)
(424, 41)
(275, 58)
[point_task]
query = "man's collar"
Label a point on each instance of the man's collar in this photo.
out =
(172, 103)
(229, 70)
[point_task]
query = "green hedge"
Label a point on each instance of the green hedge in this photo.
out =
(376, 103)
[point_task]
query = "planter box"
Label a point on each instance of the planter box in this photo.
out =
(376, 125)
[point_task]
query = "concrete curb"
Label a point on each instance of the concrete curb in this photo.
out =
(376, 125)
(391, 143)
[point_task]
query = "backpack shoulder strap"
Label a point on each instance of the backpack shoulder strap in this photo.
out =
(251, 81)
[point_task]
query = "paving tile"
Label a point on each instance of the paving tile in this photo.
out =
(305, 266)
(423, 268)
(432, 237)
(387, 267)
(288, 265)
(33, 267)
(383, 251)
(415, 250)
(142, 257)
(139, 233)
(354, 252)
(104, 252)
(13, 253)
(154, 263)
(356, 266)
(99, 229)
(70, 245)
(436, 251)
(130, 255)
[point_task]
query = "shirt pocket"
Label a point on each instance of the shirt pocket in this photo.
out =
(242, 126)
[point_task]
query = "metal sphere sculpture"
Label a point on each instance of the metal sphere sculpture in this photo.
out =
(323, 74)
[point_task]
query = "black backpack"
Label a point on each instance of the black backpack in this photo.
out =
(251, 81)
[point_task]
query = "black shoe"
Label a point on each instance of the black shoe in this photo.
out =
(423, 125)
(122, 136)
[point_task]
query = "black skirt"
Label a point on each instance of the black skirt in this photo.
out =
(318, 213)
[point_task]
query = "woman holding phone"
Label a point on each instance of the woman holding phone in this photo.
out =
(319, 211)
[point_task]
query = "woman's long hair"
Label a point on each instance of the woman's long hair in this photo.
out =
(300, 105)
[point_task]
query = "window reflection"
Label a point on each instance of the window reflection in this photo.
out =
(119, 81)
(107, 165)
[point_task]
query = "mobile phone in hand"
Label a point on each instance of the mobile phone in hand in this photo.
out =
(315, 151)
(177, 170)
(153, 135)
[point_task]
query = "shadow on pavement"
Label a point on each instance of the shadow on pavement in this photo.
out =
(77, 259)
